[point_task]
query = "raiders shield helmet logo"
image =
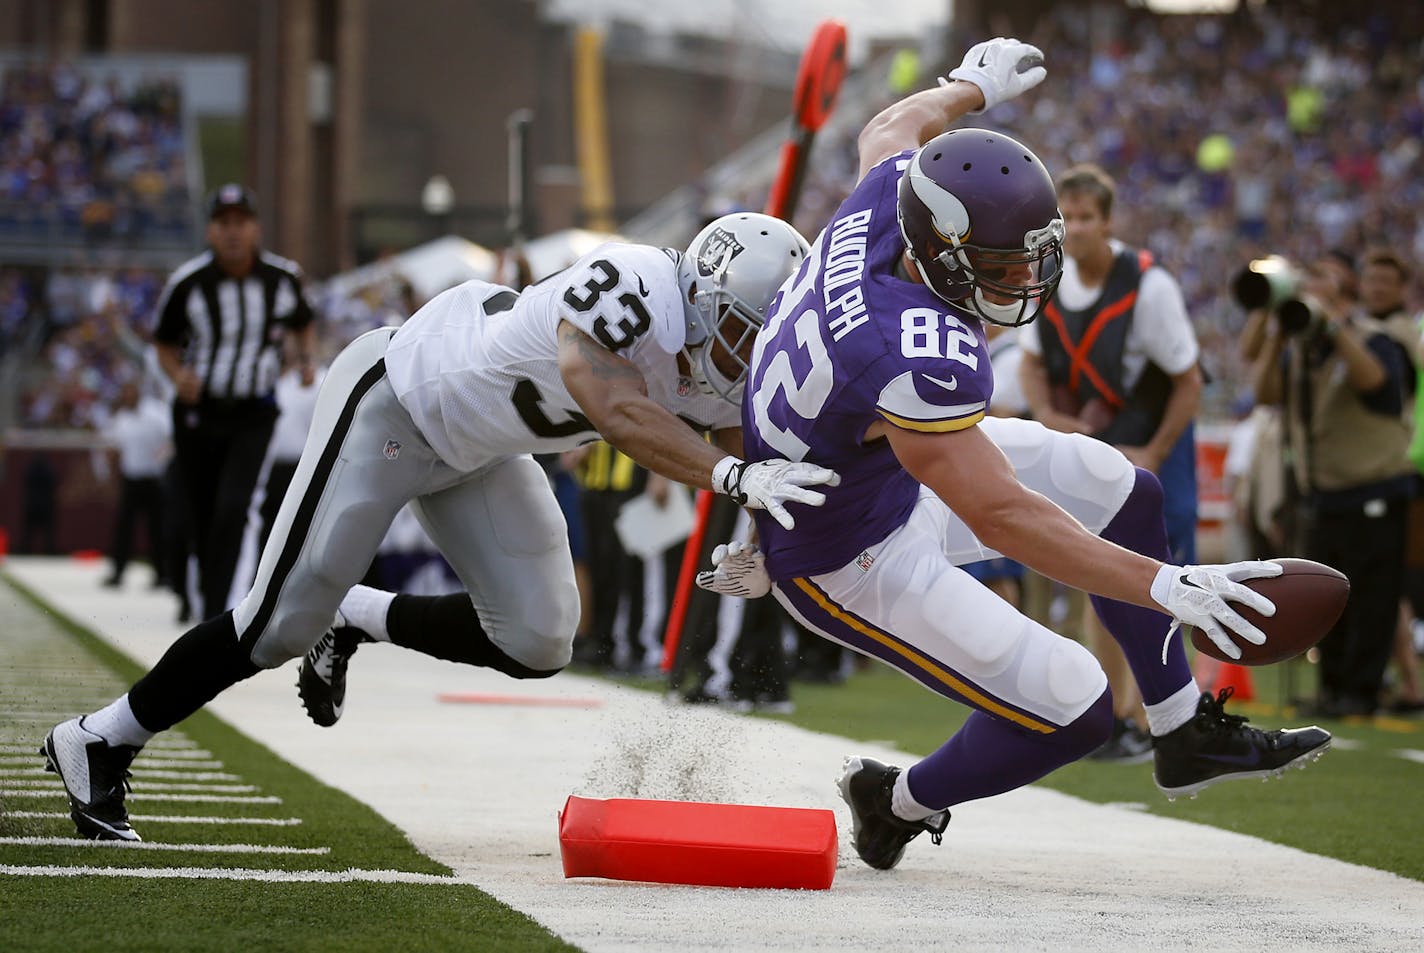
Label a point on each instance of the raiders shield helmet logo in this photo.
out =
(717, 251)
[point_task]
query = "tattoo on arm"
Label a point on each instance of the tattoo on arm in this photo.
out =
(604, 364)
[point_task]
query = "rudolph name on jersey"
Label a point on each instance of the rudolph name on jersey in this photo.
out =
(849, 344)
(477, 367)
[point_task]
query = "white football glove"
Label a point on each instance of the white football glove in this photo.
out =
(1197, 595)
(1001, 68)
(770, 484)
(739, 569)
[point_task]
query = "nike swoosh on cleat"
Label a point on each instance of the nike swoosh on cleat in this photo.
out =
(1249, 760)
(951, 384)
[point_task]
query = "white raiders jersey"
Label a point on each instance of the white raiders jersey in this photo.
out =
(477, 368)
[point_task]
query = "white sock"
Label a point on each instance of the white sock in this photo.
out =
(366, 608)
(1175, 710)
(117, 725)
(903, 803)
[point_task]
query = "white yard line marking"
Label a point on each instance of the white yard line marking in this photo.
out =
(11, 762)
(146, 796)
(143, 776)
(153, 845)
(1411, 754)
(58, 785)
(171, 819)
(225, 873)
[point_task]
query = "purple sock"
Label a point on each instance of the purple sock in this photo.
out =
(989, 755)
(1140, 527)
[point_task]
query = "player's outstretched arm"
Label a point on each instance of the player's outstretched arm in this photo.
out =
(972, 475)
(991, 72)
(611, 392)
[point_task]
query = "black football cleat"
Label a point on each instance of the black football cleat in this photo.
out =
(321, 683)
(880, 835)
(95, 775)
(1215, 746)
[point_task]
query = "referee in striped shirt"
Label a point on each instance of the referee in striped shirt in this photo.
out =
(223, 320)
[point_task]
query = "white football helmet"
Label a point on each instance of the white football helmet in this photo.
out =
(729, 276)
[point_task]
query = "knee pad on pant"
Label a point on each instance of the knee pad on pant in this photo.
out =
(1102, 461)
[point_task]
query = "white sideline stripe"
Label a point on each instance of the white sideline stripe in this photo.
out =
(58, 785)
(154, 845)
(170, 818)
(11, 761)
(27, 750)
(1411, 754)
(17, 772)
(146, 796)
(237, 873)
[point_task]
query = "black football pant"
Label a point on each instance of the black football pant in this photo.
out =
(1370, 551)
(220, 453)
(138, 498)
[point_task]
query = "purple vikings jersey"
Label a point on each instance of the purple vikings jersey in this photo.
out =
(847, 344)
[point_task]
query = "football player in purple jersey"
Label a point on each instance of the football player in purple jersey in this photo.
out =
(873, 362)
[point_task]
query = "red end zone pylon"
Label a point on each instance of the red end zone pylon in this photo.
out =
(687, 842)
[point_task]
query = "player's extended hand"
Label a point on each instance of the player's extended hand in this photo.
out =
(771, 484)
(1001, 68)
(739, 569)
(1198, 595)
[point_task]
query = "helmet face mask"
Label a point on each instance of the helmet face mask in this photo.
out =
(979, 215)
(730, 275)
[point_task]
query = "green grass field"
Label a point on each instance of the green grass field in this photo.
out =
(65, 913)
(1358, 804)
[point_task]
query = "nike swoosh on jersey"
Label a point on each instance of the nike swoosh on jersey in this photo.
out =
(900, 400)
(981, 58)
(951, 384)
(642, 288)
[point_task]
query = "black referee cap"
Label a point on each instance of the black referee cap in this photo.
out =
(232, 196)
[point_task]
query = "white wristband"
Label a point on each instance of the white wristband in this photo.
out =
(722, 472)
(1162, 583)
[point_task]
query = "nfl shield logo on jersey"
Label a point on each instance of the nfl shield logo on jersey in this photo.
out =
(684, 386)
(392, 449)
(865, 560)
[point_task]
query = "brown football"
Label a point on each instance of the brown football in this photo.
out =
(1309, 598)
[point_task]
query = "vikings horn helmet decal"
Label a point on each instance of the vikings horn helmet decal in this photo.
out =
(979, 215)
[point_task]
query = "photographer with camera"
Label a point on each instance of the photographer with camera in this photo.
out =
(1344, 378)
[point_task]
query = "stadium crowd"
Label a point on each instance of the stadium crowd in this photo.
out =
(1272, 130)
(106, 161)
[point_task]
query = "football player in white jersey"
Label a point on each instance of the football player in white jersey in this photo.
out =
(644, 346)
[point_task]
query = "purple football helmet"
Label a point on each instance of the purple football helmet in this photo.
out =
(980, 219)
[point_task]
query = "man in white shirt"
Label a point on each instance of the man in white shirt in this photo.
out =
(1116, 357)
(140, 434)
